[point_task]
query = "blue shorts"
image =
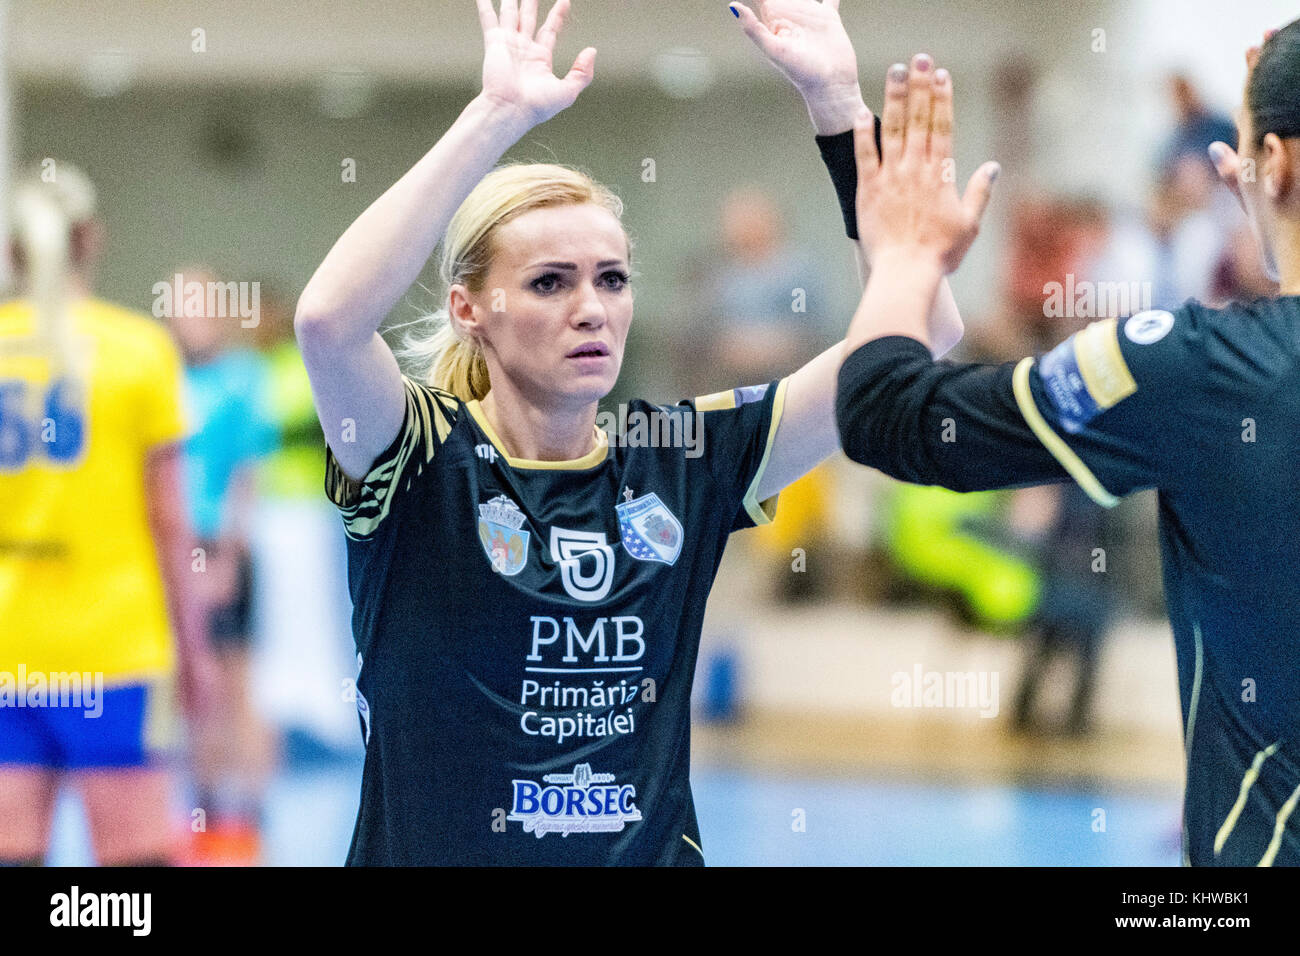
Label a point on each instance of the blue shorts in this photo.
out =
(116, 730)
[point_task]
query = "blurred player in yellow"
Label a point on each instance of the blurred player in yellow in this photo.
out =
(95, 548)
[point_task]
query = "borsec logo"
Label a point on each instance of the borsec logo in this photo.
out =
(1148, 327)
(578, 802)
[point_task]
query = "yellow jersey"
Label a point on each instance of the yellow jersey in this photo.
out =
(80, 586)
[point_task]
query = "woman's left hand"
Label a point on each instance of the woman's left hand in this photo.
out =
(807, 42)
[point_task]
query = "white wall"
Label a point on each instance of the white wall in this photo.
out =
(5, 158)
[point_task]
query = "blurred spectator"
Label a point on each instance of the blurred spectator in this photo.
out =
(1197, 127)
(306, 661)
(226, 394)
(1058, 526)
(1178, 245)
(764, 310)
(1190, 218)
(1065, 527)
(1241, 272)
(1209, 249)
(1051, 242)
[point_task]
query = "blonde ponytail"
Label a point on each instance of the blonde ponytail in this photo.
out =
(435, 354)
(44, 216)
(445, 360)
(41, 230)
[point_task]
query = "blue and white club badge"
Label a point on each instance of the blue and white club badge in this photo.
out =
(650, 532)
(1148, 327)
(499, 524)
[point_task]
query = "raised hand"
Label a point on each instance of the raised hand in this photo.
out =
(907, 198)
(806, 41)
(517, 66)
(1228, 164)
(1225, 159)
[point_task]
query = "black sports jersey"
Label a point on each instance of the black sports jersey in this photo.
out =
(528, 630)
(1203, 405)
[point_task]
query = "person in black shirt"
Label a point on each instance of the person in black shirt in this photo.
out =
(529, 589)
(1201, 404)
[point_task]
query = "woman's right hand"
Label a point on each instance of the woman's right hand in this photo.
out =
(907, 198)
(1228, 164)
(517, 70)
(1226, 161)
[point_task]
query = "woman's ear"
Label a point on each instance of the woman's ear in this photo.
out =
(461, 312)
(1279, 155)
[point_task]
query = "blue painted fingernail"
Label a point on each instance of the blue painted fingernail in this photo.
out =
(734, 12)
(898, 72)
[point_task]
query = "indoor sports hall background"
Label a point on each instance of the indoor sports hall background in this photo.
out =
(888, 674)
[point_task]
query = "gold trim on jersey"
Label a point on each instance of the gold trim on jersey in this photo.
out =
(1053, 442)
(1196, 688)
(764, 512)
(693, 843)
(717, 401)
(1191, 718)
(1102, 365)
(1279, 828)
(589, 460)
(425, 425)
(1247, 781)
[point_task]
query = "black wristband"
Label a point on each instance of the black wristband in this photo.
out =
(841, 162)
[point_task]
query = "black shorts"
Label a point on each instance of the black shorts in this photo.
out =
(230, 624)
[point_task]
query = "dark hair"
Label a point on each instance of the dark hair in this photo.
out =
(1273, 95)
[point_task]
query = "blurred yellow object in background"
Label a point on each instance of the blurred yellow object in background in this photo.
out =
(801, 515)
(950, 541)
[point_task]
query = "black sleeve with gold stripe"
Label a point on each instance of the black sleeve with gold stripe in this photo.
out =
(1082, 401)
(973, 427)
(738, 427)
(936, 423)
(429, 416)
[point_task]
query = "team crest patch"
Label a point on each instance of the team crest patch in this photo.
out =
(499, 529)
(1148, 327)
(649, 530)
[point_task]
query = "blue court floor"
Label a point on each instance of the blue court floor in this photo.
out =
(752, 818)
